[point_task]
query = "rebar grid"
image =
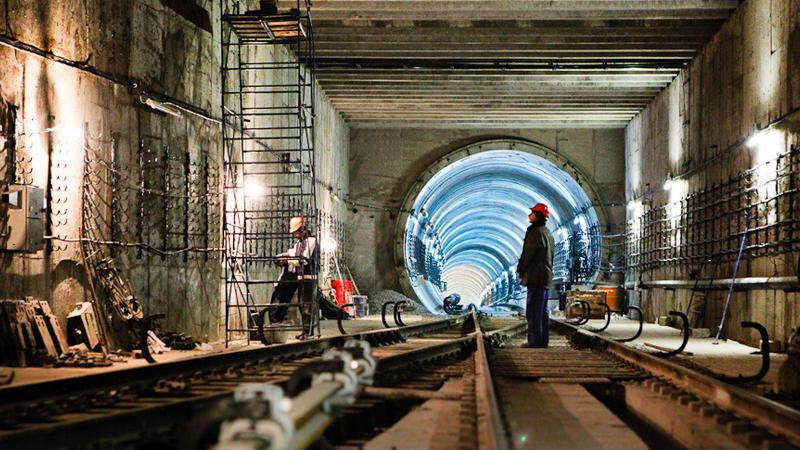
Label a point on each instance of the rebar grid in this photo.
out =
(709, 222)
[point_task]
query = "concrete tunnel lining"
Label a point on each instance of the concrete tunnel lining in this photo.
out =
(467, 215)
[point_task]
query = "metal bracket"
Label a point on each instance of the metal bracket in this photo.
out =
(762, 372)
(383, 313)
(641, 325)
(397, 310)
(340, 317)
(584, 313)
(608, 320)
(685, 333)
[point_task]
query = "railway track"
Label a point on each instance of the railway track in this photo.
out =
(130, 406)
(445, 384)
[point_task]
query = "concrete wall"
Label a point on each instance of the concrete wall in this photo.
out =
(109, 53)
(385, 163)
(746, 78)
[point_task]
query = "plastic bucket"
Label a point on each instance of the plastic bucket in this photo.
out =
(362, 307)
(344, 291)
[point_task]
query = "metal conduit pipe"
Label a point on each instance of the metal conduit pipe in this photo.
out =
(341, 315)
(586, 312)
(608, 320)
(383, 314)
(685, 334)
(785, 283)
(397, 310)
(762, 372)
(641, 325)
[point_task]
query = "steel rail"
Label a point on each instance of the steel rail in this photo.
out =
(77, 386)
(773, 416)
(491, 432)
(160, 412)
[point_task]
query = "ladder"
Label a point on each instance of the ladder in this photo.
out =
(268, 150)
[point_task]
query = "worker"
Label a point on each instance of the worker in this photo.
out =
(299, 270)
(535, 270)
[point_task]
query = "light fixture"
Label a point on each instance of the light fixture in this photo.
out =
(756, 137)
(254, 189)
(72, 132)
(668, 182)
(159, 106)
(329, 244)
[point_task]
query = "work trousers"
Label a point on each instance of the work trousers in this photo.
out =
(538, 321)
(283, 293)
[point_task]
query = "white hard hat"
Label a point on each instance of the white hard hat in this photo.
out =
(296, 223)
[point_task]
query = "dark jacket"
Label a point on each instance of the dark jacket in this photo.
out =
(535, 267)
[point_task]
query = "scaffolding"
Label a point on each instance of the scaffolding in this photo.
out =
(268, 144)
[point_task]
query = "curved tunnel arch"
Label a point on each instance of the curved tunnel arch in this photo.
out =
(468, 214)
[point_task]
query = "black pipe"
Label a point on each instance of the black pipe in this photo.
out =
(397, 310)
(686, 333)
(341, 316)
(586, 312)
(143, 346)
(383, 313)
(583, 312)
(641, 325)
(260, 326)
(764, 358)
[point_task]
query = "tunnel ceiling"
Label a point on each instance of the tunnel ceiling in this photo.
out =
(504, 63)
(465, 233)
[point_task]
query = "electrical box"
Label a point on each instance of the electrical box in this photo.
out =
(82, 326)
(21, 218)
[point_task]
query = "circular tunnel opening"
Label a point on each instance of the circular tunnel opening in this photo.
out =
(465, 230)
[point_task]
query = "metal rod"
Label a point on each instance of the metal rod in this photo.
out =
(733, 278)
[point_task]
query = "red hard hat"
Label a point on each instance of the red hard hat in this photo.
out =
(541, 208)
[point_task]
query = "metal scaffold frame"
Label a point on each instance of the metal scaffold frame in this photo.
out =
(267, 71)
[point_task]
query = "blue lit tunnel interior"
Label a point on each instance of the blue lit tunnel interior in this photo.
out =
(464, 234)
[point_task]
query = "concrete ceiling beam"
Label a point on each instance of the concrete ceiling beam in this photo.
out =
(600, 56)
(497, 124)
(510, 32)
(434, 83)
(357, 15)
(501, 48)
(517, 24)
(502, 63)
(489, 72)
(530, 38)
(539, 5)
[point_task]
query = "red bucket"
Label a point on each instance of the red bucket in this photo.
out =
(344, 291)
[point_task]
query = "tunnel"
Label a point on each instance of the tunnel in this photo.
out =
(464, 231)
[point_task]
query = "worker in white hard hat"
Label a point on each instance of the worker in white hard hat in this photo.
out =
(299, 270)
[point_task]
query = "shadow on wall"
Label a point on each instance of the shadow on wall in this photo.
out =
(68, 282)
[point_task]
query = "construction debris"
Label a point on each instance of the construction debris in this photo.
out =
(82, 326)
(594, 297)
(177, 341)
(29, 333)
(80, 357)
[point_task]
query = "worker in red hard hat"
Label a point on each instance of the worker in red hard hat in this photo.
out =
(298, 275)
(535, 270)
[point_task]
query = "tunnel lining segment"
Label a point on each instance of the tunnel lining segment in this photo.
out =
(505, 144)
